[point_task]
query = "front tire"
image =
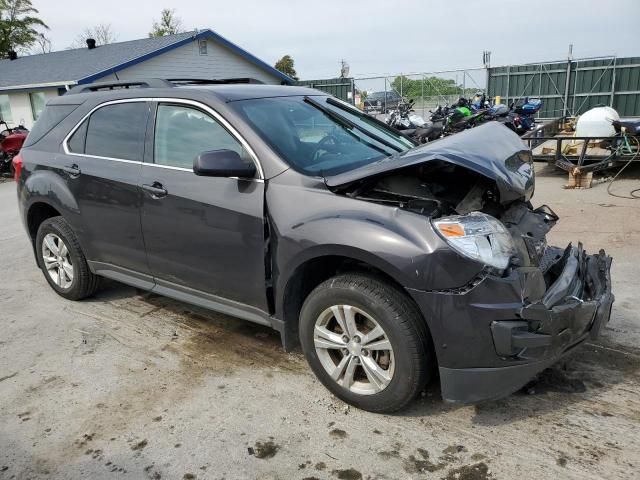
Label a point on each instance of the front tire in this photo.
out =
(366, 342)
(62, 261)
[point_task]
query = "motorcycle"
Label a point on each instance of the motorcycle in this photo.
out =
(414, 126)
(457, 117)
(11, 141)
(403, 117)
(521, 117)
(462, 115)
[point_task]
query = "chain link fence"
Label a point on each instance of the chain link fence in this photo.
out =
(428, 90)
(566, 87)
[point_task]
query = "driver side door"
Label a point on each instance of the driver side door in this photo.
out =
(203, 235)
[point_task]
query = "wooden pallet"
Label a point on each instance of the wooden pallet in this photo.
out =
(579, 180)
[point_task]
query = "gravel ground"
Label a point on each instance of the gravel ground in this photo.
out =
(133, 385)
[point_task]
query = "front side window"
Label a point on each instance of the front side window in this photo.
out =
(182, 133)
(5, 109)
(38, 101)
(116, 131)
(310, 138)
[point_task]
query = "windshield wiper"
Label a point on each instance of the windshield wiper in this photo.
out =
(345, 122)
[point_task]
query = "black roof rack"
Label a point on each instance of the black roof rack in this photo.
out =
(156, 83)
(100, 86)
(211, 81)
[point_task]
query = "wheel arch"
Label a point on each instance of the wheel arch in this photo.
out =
(319, 265)
(47, 195)
(46, 188)
(37, 213)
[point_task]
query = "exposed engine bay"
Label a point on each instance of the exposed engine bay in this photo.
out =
(438, 188)
(434, 189)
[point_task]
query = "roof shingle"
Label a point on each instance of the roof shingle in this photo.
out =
(76, 64)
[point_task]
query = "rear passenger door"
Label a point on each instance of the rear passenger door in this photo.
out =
(202, 233)
(103, 166)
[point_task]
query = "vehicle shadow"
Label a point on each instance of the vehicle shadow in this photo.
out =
(581, 377)
(585, 374)
(210, 337)
(111, 290)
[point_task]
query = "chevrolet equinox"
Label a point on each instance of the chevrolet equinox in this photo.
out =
(390, 264)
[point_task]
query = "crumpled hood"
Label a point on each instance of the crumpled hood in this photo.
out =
(491, 150)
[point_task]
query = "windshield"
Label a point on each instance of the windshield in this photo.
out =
(320, 136)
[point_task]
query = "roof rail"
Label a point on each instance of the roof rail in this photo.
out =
(98, 86)
(211, 81)
(156, 83)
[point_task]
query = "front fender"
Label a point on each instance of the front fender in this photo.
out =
(309, 221)
(393, 252)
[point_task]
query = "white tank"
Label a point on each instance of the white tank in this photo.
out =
(597, 123)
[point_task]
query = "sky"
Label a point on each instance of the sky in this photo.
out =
(376, 37)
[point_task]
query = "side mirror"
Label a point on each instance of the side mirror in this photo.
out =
(223, 163)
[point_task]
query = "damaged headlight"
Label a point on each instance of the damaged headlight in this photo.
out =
(478, 236)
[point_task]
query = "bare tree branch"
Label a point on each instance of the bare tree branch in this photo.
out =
(43, 44)
(102, 34)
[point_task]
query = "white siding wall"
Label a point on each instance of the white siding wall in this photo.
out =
(21, 106)
(186, 61)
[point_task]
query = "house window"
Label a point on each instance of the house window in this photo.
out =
(38, 101)
(5, 109)
(202, 46)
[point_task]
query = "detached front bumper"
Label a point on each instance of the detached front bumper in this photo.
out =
(494, 337)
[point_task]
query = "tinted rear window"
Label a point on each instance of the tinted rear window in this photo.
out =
(117, 131)
(50, 117)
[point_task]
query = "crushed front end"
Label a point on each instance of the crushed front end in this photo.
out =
(492, 337)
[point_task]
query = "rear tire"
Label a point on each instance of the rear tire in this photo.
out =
(379, 363)
(62, 261)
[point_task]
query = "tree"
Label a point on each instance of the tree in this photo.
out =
(102, 34)
(285, 65)
(428, 86)
(344, 69)
(169, 24)
(18, 26)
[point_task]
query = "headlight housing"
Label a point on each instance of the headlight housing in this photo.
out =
(478, 236)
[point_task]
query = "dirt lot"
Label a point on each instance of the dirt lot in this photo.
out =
(132, 385)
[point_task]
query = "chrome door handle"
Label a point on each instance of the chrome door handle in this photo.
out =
(156, 190)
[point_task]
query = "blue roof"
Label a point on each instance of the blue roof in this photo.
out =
(82, 65)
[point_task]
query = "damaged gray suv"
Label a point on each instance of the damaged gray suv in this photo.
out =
(390, 264)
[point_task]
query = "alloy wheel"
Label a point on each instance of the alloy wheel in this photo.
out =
(354, 349)
(57, 260)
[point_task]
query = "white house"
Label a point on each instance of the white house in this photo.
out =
(26, 83)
